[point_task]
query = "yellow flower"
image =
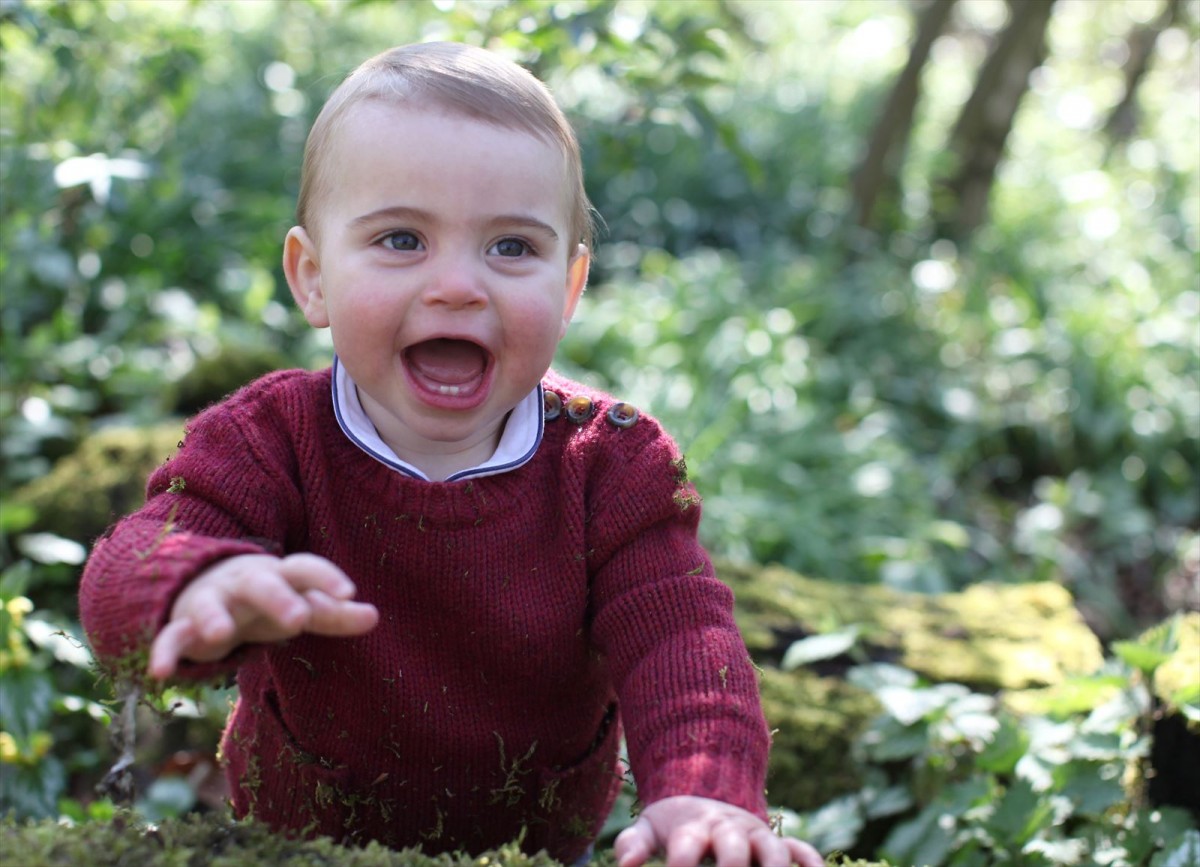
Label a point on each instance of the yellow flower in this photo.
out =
(39, 745)
(17, 608)
(8, 749)
(11, 753)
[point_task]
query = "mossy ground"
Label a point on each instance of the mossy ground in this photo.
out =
(216, 840)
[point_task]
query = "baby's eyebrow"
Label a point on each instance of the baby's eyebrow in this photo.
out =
(406, 214)
(523, 221)
(391, 214)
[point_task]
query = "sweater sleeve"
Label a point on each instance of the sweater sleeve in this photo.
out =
(687, 688)
(229, 490)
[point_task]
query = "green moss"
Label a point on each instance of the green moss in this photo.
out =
(216, 840)
(815, 721)
(104, 479)
(216, 376)
(989, 637)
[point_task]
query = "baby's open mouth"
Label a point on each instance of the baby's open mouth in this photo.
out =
(448, 366)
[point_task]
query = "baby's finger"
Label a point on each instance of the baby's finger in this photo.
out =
(168, 646)
(339, 617)
(312, 572)
(769, 849)
(634, 846)
(732, 848)
(686, 846)
(803, 854)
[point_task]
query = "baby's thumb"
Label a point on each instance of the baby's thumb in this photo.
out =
(635, 844)
(168, 646)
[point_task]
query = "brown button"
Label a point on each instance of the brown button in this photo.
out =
(623, 415)
(551, 405)
(579, 409)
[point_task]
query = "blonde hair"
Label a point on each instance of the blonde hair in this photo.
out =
(458, 78)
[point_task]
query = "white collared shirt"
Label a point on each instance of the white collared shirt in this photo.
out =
(521, 437)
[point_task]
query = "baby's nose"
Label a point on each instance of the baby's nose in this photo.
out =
(456, 283)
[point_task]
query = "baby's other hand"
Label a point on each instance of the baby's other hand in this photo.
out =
(257, 597)
(686, 828)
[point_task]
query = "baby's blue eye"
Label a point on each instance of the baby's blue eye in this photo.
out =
(402, 241)
(510, 247)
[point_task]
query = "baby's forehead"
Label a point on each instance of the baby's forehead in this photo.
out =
(397, 106)
(376, 141)
(367, 117)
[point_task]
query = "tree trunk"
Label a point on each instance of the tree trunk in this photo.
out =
(877, 176)
(1123, 120)
(978, 139)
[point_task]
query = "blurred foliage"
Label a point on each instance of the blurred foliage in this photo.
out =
(876, 409)
(976, 784)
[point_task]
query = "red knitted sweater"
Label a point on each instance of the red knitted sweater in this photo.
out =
(518, 613)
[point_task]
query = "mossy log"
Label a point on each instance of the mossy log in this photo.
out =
(992, 638)
(102, 480)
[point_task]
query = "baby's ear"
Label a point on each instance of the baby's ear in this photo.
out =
(577, 275)
(303, 271)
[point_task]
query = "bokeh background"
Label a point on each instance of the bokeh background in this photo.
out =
(913, 283)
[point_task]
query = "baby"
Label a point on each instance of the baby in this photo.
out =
(446, 577)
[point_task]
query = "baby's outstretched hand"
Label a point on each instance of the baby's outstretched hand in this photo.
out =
(686, 828)
(257, 597)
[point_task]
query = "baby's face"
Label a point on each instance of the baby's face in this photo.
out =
(446, 270)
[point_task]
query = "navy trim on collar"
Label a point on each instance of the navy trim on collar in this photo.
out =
(531, 405)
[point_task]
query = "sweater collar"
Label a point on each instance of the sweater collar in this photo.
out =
(521, 437)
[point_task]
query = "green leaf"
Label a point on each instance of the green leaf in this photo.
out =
(26, 697)
(1182, 852)
(1152, 829)
(33, 791)
(908, 706)
(1091, 787)
(888, 802)
(877, 675)
(835, 825)
(14, 580)
(925, 840)
(933, 834)
(1152, 648)
(167, 796)
(1186, 700)
(949, 533)
(1019, 814)
(15, 517)
(818, 647)
(1098, 746)
(49, 549)
(1145, 659)
(887, 740)
(1058, 852)
(1001, 754)
(1077, 694)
